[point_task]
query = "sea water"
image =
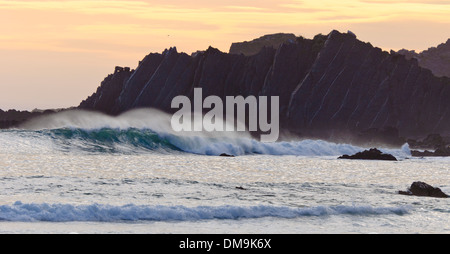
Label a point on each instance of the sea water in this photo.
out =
(85, 173)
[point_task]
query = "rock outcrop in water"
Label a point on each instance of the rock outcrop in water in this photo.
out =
(432, 145)
(440, 152)
(424, 190)
(226, 155)
(372, 154)
(332, 87)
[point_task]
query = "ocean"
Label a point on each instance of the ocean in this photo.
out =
(83, 172)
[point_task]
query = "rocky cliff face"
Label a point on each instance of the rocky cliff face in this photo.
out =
(109, 90)
(328, 85)
(436, 59)
(253, 47)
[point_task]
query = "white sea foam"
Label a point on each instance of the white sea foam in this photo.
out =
(107, 213)
(142, 141)
(37, 135)
(241, 146)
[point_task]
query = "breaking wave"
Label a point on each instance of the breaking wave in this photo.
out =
(107, 213)
(150, 130)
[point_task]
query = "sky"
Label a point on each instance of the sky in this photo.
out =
(53, 54)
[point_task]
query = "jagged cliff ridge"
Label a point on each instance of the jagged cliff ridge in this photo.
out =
(109, 90)
(436, 59)
(328, 85)
(253, 47)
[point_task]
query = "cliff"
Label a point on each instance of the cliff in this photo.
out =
(109, 90)
(328, 86)
(436, 59)
(253, 47)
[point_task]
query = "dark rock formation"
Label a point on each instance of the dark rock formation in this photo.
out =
(253, 47)
(439, 146)
(432, 141)
(425, 190)
(372, 154)
(440, 152)
(385, 136)
(436, 59)
(331, 87)
(109, 90)
(226, 155)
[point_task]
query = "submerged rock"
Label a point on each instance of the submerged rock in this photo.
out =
(226, 155)
(372, 154)
(424, 190)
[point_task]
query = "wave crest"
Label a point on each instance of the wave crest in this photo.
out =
(147, 130)
(108, 213)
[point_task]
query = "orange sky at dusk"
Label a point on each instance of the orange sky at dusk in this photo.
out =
(54, 54)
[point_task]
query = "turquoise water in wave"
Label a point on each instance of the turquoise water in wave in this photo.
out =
(89, 173)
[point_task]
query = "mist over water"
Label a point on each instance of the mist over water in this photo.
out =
(89, 120)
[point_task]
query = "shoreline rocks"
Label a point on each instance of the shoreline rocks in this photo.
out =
(432, 145)
(424, 190)
(226, 155)
(440, 152)
(372, 154)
